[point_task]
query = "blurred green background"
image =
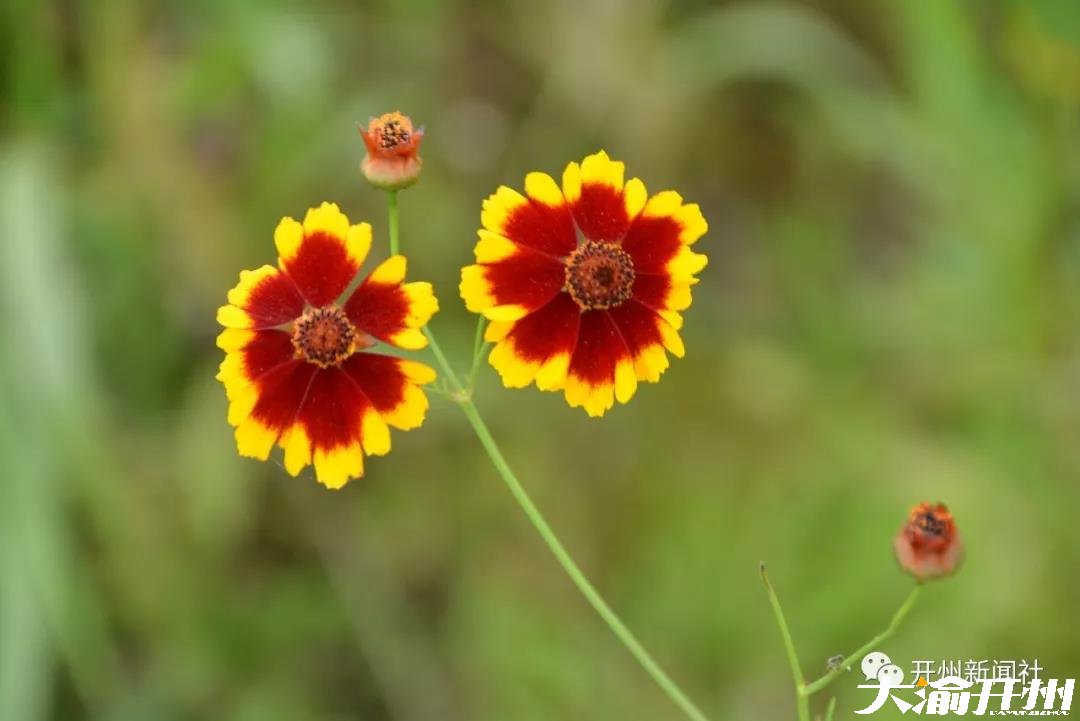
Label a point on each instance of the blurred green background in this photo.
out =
(890, 315)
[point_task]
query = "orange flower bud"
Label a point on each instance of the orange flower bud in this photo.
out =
(393, 151)
(928, 545)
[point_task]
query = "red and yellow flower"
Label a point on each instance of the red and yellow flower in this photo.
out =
(928, 544)
(584, 284)
(297, 372)
(393, 151)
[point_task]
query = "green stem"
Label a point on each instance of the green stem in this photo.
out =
(463, 398)
(556, 547)
(830, 710)
(478, 351)
(801, 702)
(563, 557)
(391, 200)
(443, 361)
(866, 648)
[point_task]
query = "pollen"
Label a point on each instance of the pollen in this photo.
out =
(929, 524)
(391, 130)
(393, 135)
(324, 336)
(599, 275)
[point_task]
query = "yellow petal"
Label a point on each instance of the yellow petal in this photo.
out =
(674, 319)
(422, 303)
(474, 289)
(254, 440)
(409, 339)
(686, 264)
(551, 376)
(375, 434)
(506, 312)
(358, 242)
(232, 317)
(297, 447)
(334, 467)
(240, 294)
(634, 197)
(516, 372)
(671, 340)
(595, 399)
(410, 412)
(693, 223)
(678, 297)
(542, 188)
(571, 182)
(239, 390)
(231, 369)
(625, 380)
(327, 218)
(650, 363)
(287, 238)
(666, 202)
(492, 247)
(498, 207)
(599, 168)
(242, 400)
(417, 372)
(390, 272)
(233, 339)
(497, 330)
(689, 217)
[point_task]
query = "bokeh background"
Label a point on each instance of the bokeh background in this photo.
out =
(890, 314)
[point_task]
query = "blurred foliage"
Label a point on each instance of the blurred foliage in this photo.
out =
(890, 314)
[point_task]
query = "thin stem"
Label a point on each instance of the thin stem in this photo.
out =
(869, 646)
(439, 389)
(556, 547)
(463, 398)
(444, 364)
(391, 201)
(801, 702)
(830, 710)
(563, 557)
(478, 350)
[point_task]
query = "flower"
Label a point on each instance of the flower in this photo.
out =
(393, 161)
(928, 545)
(584, 285)
(296, 369)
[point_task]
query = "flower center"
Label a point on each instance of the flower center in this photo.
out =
(393, 134)
(324, 336)
(599, 275)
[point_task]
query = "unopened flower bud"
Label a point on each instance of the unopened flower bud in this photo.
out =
(928, 545)
(393, 151)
